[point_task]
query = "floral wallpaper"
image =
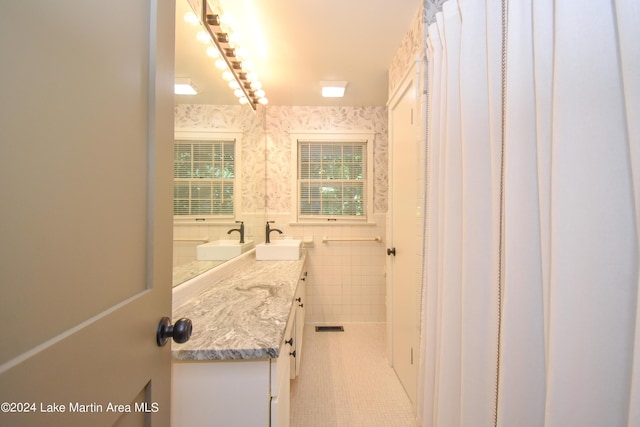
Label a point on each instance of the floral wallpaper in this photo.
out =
(280, 121)
(431, 7)
(412, 44)
(414, 41)
(236, 117)
(276, 122)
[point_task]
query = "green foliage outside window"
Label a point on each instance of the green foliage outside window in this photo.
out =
(332, 179)
(204, 173)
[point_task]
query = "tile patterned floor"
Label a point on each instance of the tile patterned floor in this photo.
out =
(345, 381)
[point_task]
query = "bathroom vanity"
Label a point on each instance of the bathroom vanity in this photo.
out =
(245, 347)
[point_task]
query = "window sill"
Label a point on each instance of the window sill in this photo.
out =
(205, 221)
(333, 223)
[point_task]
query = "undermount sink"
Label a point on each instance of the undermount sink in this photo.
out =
(221, 250)
(279, 250)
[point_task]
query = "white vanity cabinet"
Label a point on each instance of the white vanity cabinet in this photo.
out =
(220, 393)
(234, 392)
(280, 378)
(299, 306)
(230, 373)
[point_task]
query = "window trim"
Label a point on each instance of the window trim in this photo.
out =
(214, 135)
(362, 136)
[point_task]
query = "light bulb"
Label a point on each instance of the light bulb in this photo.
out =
(227, 76)
(238, 92)
(213, 52)
(220, 64)
(256, 85)
(260, 93)
(233, 84)
(234, 38)
(241, 53)
(203, 36)
(243, 100)
(191, 18)
(263, 101)
(247, 65)
(226, 19)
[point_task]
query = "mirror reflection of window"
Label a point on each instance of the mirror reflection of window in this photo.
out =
(204, 179)
(206, 193)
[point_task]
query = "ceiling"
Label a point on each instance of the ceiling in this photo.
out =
(295, 44)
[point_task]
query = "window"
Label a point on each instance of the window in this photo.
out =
(204, 177)
(332, 177)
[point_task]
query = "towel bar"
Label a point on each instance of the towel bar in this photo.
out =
(351, 239)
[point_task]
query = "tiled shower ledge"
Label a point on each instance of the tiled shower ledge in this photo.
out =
(242, 316)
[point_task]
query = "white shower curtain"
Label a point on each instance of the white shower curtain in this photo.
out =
(553, 218)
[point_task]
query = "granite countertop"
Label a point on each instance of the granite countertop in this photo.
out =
(244, 315)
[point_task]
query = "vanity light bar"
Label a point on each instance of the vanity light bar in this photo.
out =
(221, 39)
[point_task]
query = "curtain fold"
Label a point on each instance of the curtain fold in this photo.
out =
(429, 328)
(449, 373)
(542, 32)
(570, 329)
(594, 241)
(522, 364)
(480, 206)
(628, 34)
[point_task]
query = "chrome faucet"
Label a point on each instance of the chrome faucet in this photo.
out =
(269, 230)
(240, 230)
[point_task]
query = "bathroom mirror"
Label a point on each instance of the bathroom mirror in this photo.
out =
(215, 115)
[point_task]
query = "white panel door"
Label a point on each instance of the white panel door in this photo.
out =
(85, 219)
(403, 238)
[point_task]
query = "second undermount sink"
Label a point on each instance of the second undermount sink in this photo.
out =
(223, 249)
(287, 249)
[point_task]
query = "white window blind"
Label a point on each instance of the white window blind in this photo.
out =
(332, 179)
(204, 174)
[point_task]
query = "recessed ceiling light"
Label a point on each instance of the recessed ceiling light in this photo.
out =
(332, 89)
(184, 87)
